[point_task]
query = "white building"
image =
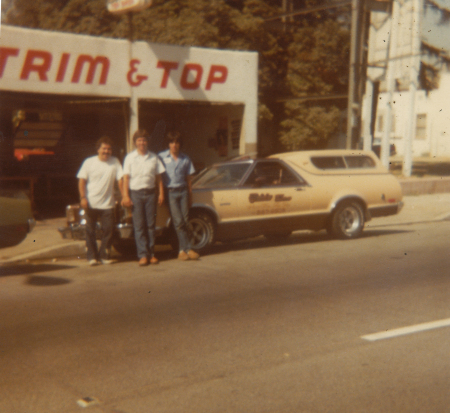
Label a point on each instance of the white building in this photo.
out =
(417, 122)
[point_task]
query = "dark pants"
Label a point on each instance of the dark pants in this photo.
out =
(106, 217)
(144, 213)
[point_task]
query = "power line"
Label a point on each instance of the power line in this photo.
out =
(309, 10)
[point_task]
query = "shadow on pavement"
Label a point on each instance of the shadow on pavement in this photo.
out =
(294, 239)
(41, 281)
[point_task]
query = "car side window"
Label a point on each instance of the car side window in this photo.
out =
(268, 174)
(328, 162)
(359, 162)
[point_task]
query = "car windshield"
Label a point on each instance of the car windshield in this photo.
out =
(222, 176)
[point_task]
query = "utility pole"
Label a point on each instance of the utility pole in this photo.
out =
(390, 84)
(358, 39)
(413, 80)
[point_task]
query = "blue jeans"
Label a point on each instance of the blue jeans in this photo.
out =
(106, 217)
(179, 210)
(144, 213)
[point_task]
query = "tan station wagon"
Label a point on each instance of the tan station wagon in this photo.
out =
(336, 190)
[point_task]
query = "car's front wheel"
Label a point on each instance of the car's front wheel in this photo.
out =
(347, 220)
(202, 231)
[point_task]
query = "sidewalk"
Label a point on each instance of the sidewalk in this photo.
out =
(45, 242)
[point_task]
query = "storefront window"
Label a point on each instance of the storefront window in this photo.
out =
(421, 126)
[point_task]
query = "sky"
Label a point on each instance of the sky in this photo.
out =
(433, 31)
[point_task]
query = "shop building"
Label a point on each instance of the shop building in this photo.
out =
(60, 92)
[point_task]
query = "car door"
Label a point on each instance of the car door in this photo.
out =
(274, 198)
(217, 189)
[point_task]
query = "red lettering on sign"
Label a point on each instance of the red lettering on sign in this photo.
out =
(222, 73)
(133, 69)
(41, 68)
(167, 66)
(185, 84)
(62, 67)
(5, 52)
(84, 58)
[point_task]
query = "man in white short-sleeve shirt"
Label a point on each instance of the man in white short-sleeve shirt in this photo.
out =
(96, 179)
(142, 187)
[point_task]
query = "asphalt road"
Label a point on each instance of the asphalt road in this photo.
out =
(253, 327)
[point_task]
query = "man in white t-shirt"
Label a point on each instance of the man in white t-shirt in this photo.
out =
(96, 179)
(142, 186)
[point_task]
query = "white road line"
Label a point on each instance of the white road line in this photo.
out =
(407, 330)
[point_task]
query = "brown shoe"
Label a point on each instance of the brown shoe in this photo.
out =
(193, 255)
(154, 260)
(183, 256)
(143, 262)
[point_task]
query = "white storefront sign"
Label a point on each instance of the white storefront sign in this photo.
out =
(37, 61)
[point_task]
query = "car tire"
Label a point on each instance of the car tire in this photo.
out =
(202, 231)
(347, 221)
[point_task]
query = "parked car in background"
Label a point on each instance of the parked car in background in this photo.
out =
(16, 217)
(335, 190)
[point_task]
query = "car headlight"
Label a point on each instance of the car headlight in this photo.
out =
(71, 215)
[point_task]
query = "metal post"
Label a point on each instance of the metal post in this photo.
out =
(414, 74)
(367, 115)
(390, 85)
(352, 75)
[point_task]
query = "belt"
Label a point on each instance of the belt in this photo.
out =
(177, 189)
(144, 190)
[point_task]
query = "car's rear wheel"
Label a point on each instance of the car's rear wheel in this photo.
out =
(202, 231)
(347, 220)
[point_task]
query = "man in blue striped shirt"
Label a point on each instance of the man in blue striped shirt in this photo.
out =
(177, 181)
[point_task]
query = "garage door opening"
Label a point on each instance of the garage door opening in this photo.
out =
(211, 131)
(45, 138)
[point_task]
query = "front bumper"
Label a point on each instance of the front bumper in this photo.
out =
(122, 231)
(31, 224)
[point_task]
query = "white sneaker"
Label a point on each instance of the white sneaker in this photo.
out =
(107, 262)
(93, 263)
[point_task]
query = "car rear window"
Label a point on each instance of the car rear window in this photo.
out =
(343, 162)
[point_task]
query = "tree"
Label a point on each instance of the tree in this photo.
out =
(317, 77)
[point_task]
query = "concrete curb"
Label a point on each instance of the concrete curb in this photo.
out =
(422, 186)
(75, 249)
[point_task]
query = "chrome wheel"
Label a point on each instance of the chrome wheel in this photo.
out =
(348, 220)
(201, 232)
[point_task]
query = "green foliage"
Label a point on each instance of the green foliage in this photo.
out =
(318, 67)
(309, 127)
